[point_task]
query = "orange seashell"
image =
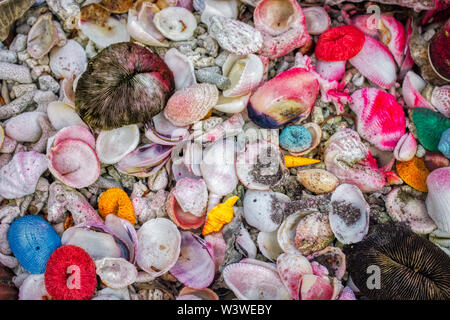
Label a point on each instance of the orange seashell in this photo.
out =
(414, 173)
(116, 201)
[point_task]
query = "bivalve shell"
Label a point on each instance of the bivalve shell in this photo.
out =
(175, 23)
(116, 273)
(438, 198)
(317, 180)
(112, 145)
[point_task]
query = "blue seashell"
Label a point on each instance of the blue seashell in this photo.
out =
(32, 240)
(444, 143)
(295, 138)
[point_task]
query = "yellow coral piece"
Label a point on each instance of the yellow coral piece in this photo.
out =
(2, 136)
(116, 201)
(219, 215)
(292, 161)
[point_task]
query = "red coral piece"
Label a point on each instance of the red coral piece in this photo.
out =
(70, 274)
(339, 43)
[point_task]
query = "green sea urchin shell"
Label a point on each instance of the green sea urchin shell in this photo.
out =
(10, 11)
(430, 125)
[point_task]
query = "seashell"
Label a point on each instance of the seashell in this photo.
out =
(317, 20)
(32, 240)
(440, 99)
(295, 138)
(331, 70)
(63, 115)
(162, 131)
(142, 161)
(315, 288)
(116, 273)
(69, 60)
(260, 166)
(414, 173)
(287, 230)
(33, 288)
(268, 245)
(159, 246)
(10, 11)
(230, 127)
(313, 233)
(263, 210)
(245, 244)
(197, 294)
(125, 232)
(429, 126)
(245, 73)
(183, 219)
(351, 161)
(437, 201)
(283, 26)
(434, 160)
(317, 180)
(444, 143)
(412, 85)
(349, 217)
(380, 119)
(287, 97)
(366, 24)
(24, 127)
(175, 23)
(291, 268)
(219, 215)
(113, 145)
(195, 267)
(407, 205)
(219, 247)
(438, 53)
(232, 105)
(19, 177)
(292, 161)
(406, 147)
(105, 34)
(316, 135)
(333, 259)
(235, 36)
(141, 27)
(191, 195)
(2, 137)
(376, 63)
(249, 281)
(191, 104)
(75, 133)
(392, 34)
(228, 9)
(181, 67)
(42, 37)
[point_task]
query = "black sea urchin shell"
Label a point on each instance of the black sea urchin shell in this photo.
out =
(123, 84)
(410, 267)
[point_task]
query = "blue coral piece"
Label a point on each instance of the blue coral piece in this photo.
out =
(295, 138)
(444, 143)
(32, 240)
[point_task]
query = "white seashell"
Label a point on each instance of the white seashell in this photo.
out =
(232, 105)
(245, 73)
(24, 127)
(112, 294)
(235, 36)
(438, 198)
(68, 61)
(317, 180)
(158, 181)
(112, 145)
(268, 245)
(63, 115)
(287, 229)
(175, 23)
(263, 209)
(33, 288)
(116, 273)
(159, 246)
(113, 31)
(406, 147)
(181, 67)
(42, 37)
(141, 27)
(356, 230)
(224, 8)
(191, 195)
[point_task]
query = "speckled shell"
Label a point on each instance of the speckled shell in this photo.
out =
(438, 198)
(10, 11)
(317, 180)
(440, 98)
(191, 104)
(69, 60)
(32, 240)
(235, 36)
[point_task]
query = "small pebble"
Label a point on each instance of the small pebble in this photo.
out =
(46, 82)
(420, 153)
(20, 89)
(15, 72)
(207, 76)
(8, 56)
(19, 43)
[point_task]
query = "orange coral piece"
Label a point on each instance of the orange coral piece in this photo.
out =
(116, 201)
(414, 173)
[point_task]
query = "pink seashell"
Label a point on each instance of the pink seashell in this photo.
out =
(291, 268)
(376, 63)
(75, 133)
(218, 244)
(141, 27)
(191, 104)
(197, 294)
(367, 24)
(230, 127)
(195, 267)
(315, 288)
(283, 26)
(317, 20)
(250, 281)
(333, 259)
(268, 265)
(380, 119)
(394, 38)
(406, 147)
(347, 294)
(20, 176)
(68, 61)
(42, 37)
(440, 99)
(351, 161)
(334, 70)
(438, 198)
(412, 85)
(192, 195)
(145, 160)
(319, 270)
(183, 219)
(181, 67)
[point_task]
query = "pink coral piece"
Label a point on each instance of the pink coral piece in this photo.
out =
(380, 119)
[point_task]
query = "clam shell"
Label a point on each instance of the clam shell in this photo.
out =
(440, 98)
(192, 195)
(245, 74)
(197, 294)
(406, 147)
(141, 27)
(228, 9)
(159, 246)
(263, 210)
(438, 198)
(268, 245)
(291, 268)
(69, 60)
(20, 176)
(33, 288)
(24, 127)
(181, 67)
(42, 37)
(317, 20)
(113, 145)
(125, 232)
(111, 32)
(358, 227)
(315, 288)
(287, 230)
(76, 133)
(116, 273)
(63, 115)
(232, 105)
(317, 180)
(191, 104)
(175, 23)
(183, 219)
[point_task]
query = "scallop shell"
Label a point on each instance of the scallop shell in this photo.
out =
(235, 36)
(116, 273)
(317, 180)
(113, 145)
(24, 127)
(111, 32)
(245, 73)
(181, 67)
(191, 104)
(42, 37)
(68, 61)
(63, 115)
(20, 176)
(175, 23)
(438, 198)
(141, 27)
(32, 240)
